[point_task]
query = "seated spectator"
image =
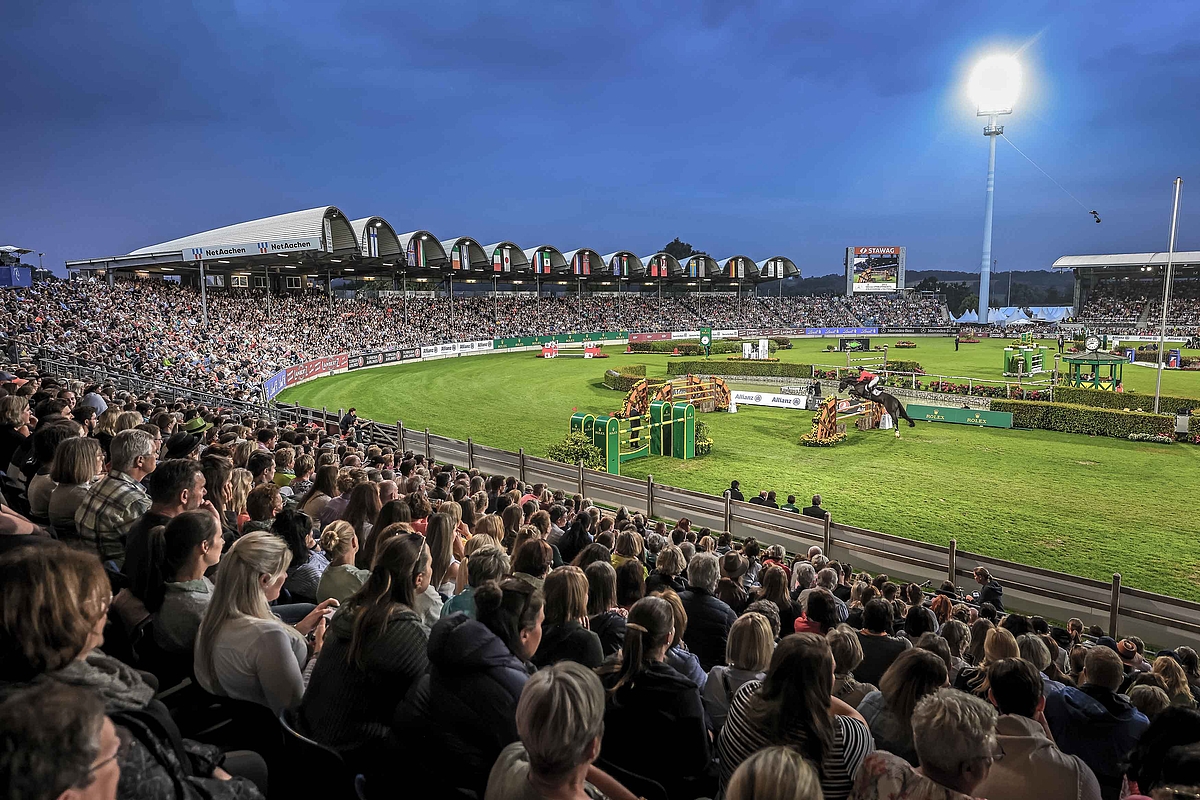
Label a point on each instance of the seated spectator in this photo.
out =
(375, 649)
(730, 589)
(577, 537)
(115, 501)
(46, 441)
(914, 674)
(644, 694)
(363, 509)
(176, 486)
(341, 578)
(1168, 754)
(820, 615)
(177, 592)
(487, 563)
(955, 735)
(605, 618)
(1033, 768)
(305, 473)
(78, 462)
(322, 490)
(958, 639)
(747, 656)
(308, 563)
(441, 535)
(244, 651)
(679, 658)
(709, 619)
(879, 647)
(531, 561)
(565, 636)
(57, 744)
(54, 602)
(775, 773)
(774, 581)
(560, 719)
(263, 504)
(998, 644)
(668, 569)
(990, 589)
(1176, 680)
(631, 583)
(1150, 700)
(1094, 722)
(847, 654)
(793, 706)
(462, 712)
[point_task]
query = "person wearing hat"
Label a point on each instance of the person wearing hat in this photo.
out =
(183, 445)
(196, 426)
(729, 588)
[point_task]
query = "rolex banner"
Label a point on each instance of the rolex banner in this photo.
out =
(961, 416)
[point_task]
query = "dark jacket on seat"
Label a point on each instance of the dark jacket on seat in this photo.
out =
(708, 624)
(1099, 726)
(568, 641)
(462, 713)
(663, 707)
(657, 581)
(610, 627)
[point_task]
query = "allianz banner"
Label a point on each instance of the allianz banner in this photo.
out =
(315, 367)
(797, 401)
(961, 416)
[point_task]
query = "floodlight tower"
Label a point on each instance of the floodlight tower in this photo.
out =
(993, 87)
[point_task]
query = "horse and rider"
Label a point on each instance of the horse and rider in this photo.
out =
(866, 387)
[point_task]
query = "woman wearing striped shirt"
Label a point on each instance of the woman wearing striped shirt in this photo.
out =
(793, 706)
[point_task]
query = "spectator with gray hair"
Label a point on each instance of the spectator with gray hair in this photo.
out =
(560, 719)
(118, 499)
(955, 737)
(709, 618)
(57, 744)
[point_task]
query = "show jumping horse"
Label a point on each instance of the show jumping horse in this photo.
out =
(894, 407)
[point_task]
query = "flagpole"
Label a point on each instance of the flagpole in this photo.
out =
(1162, 331)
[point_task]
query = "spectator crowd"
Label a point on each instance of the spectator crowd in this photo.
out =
(176, 582)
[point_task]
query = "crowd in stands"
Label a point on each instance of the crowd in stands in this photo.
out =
(441, 631)
(155, 328)
(1119, 304)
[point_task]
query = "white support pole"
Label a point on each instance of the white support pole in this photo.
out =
(203, 297)
(1162, 332)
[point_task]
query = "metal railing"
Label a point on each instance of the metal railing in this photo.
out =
(1117, 608)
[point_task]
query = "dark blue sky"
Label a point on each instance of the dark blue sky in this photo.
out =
(756, 128)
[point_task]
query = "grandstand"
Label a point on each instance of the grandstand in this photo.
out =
(1122, 293)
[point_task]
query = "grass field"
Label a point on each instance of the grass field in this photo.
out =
(1087, 505)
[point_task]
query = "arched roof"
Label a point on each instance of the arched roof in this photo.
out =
(294, 225)
(738, 268)
(465, 253)
(777, 267)
(422, 250)
(377, 238)
(632, 264)
(585, 261)
(661, 265)
(557, 262)
(700, 265)
(496, 253)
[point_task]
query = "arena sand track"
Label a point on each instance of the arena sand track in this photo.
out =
(1086, 505)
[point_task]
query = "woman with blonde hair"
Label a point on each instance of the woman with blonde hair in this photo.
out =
(128, 420)
(439, 533)
(998, 644)
(242, 482)
(565, 635)
(244, 651)
(242, 452)
(775, 773)
(847, 654)
(668, 571)
(747, 656)
(490, 525)
(1176, 680)
(341, 578)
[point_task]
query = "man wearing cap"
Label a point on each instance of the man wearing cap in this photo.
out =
(183, 445)
(729, 588)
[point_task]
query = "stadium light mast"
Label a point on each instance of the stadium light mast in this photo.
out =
(993, 87)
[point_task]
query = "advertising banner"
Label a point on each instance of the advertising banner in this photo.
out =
(429, 350)
(797, 401)
(649, 337)
(841, 331)
(961, 416)
(409, 353)
(391, 355)
(685, 334)
(727, 334)
(365, 360)
(875, 269)
(251, 249)
(275, 384)
(910, 329)
(315, 367)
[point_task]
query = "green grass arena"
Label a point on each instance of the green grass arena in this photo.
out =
(1087, 505)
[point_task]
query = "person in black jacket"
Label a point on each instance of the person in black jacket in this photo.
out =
(709, 619)
(668, 569)
(645, 694)
(459, 716)
(991, 591)
(735, 491)
(605, 617)
(564, 637)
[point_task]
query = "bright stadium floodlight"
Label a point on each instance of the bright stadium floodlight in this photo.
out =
(993, 87)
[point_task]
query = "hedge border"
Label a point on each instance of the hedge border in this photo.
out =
(625, 377)
(1098, 398)
(1087, 420)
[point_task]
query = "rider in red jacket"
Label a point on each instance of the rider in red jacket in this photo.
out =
(871, 380)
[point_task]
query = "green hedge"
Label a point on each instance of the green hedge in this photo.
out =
(691, 347)
(900, 365)
(782, 341)
(1070, 418)
(772, 369)
(624, 377)
(1098, 398)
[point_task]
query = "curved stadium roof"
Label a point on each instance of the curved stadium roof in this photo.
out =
(294, 225)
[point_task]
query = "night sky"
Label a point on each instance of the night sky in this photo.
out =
(756, 128)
